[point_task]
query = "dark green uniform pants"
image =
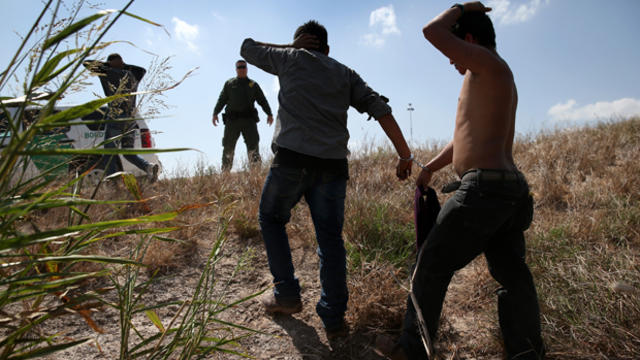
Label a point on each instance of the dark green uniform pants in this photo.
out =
(232, 130)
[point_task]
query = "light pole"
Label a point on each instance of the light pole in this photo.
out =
(410, 110)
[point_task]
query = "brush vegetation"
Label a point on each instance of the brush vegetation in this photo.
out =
(583, 246)
(55, 225)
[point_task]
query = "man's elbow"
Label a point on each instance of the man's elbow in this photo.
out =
(244, 48)
(428, 31)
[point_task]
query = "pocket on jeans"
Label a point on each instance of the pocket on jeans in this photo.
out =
(525, 213)
(460, 196)
(285, 182)
(288, 174)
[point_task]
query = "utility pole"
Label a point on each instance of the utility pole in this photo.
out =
(410, 110)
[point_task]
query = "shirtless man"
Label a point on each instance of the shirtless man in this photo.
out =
(492, 207)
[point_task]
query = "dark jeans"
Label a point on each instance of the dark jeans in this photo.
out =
(324, 192)
(110, 162)
(232, 130)
(483, 216)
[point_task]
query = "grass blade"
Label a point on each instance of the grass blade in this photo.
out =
(40, 352)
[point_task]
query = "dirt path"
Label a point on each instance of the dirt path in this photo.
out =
(464, 334)
(300, 336)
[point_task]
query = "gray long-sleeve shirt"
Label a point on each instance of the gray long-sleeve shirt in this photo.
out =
(315, 94)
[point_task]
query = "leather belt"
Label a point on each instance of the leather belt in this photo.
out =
(492, 175)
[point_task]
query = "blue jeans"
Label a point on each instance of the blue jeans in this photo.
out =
(324, 192)
(483, 216)
(110, 162)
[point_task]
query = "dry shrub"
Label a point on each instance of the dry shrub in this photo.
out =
(376, 301)
(583, 247)
(162, 256)
(584, 244)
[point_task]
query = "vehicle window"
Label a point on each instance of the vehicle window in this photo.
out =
(31, 115)
(4, 122)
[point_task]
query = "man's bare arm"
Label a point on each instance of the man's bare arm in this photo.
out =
(391, 128)
(438, 32)
(444, 158)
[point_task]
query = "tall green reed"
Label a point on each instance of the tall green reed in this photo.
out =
(41, 273)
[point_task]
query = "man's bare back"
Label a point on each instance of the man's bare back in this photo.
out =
(483, 137)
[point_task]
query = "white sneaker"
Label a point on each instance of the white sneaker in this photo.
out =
(152, 172)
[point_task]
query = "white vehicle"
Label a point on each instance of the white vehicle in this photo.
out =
(81, 136)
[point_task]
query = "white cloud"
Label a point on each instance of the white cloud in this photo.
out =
(601, 110)
(507, 13)
(385, 19)
(186, 33)
(382, 22)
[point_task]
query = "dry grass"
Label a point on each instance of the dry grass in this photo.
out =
(584, 244)
(585, 241)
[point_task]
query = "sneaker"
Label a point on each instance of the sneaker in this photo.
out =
(389, 349)
(339, 331)
(152, 172)
(274, 305)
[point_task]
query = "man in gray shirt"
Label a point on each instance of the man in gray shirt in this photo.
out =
(310, 145)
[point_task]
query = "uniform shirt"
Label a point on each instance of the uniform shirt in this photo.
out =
(315, 94)
(239, 95)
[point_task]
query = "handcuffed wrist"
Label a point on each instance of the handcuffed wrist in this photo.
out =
(406, 159)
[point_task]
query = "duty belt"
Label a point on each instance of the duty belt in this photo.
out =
(242, 114)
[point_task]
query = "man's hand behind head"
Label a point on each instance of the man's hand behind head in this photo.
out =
(306, 41)
(475, 6)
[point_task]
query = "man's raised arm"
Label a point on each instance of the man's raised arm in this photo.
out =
(271, 57)
(464, 52)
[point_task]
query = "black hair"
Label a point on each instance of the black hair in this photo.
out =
(312, 27)
(477, 24)
(241, 61)
(113, 57)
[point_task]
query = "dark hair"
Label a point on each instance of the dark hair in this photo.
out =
(241, 61)
(477, 24)
(113, 57)
(312, 27)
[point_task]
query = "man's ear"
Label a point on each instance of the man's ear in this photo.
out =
(327, 51)
(469, 38)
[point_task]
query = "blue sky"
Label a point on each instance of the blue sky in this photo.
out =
(574, 61)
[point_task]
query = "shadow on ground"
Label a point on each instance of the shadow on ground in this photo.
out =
(309, 343)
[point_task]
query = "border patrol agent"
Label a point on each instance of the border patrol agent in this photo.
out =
(240, 116)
